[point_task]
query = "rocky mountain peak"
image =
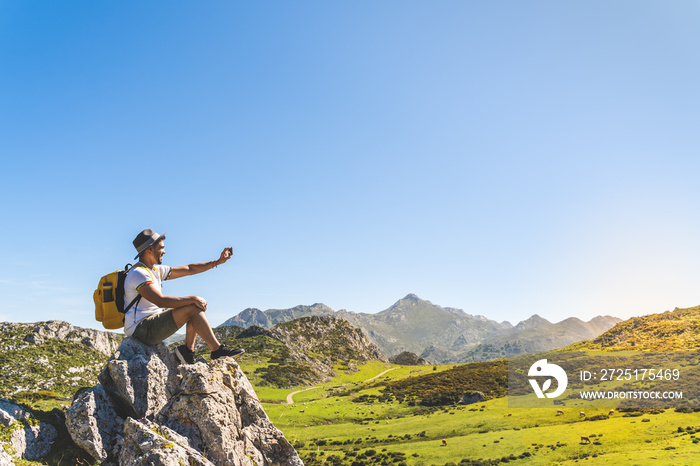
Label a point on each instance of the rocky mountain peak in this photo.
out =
(147, 410)
(533, 322)
(328, 336)
(409, 300)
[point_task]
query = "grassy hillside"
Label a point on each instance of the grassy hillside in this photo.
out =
(334, 425)
(677, 330)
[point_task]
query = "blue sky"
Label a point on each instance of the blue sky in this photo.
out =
(504, 158)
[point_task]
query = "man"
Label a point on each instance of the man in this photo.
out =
(154, 317)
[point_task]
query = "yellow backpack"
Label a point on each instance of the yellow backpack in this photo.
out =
(109, 299)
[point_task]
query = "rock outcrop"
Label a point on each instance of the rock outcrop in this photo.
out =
(28, 438)
(472, 396)
(147, 409)
(103, 342)
(407, 358)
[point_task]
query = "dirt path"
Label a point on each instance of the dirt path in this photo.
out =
(290, 397)
(290, 400)
(379, 375)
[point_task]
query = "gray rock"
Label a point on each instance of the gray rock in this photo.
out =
(93, 423)
(33, 442)
(5, 458)
(10, 412)
(406, 358)
(240, 433)
(149, 444)
(28, 439)
(472, 396)
(173, 414)
(140, 378)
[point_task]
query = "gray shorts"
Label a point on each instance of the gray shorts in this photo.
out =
(156, 328)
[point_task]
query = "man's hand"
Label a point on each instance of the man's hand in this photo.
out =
(200, 303)
(226, 254)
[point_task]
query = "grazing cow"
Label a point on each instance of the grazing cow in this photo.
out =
(582, 414)
(444, 442)
(612, 411)
(585, 439)
(560, 411)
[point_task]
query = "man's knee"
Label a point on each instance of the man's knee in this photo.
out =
(184, 314)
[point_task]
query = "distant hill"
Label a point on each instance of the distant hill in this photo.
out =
(267, 319)
(677, 330)
(536, 335)
(442, 334)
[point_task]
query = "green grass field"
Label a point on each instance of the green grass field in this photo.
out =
(352, 420)
(328, 427)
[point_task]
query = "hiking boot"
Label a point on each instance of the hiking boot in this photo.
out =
(184, 354)
(224, 351)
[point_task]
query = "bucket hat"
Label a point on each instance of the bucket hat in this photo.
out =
(145, 240)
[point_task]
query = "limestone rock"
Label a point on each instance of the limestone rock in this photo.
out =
(34, 441)
(146, 443)
(93, 423)
(140, 378)
(406, 358)
(5, 458)
(471, 396)
(28, 438)
(10, 412)
(165, 414)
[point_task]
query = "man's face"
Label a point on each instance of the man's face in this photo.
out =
(158, 251)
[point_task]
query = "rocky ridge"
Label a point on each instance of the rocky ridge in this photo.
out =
(329, 337)
(147, 410)
(102, 342)
(63, 357)
(537, 335)
(268, 319)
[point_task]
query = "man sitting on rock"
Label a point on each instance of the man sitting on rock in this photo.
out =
(155, 317)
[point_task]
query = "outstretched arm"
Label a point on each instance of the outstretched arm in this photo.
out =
(193, 269)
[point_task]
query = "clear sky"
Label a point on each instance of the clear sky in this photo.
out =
(506, 158)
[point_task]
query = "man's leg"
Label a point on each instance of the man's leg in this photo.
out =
(197, 324)
(190, 336)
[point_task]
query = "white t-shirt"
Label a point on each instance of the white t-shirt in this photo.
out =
(136, 278)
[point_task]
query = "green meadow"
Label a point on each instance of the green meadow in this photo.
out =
(352, 421)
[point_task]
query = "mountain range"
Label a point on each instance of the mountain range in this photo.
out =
(442, 334)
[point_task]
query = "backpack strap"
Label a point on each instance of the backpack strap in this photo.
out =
(133, 303)
(138, 297)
